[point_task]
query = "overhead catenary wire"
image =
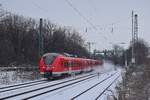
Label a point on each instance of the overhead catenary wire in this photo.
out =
(95, 27)
(39, 7)
(80, 14)
(84, 18)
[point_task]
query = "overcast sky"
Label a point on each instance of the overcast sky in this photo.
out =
(112, 18)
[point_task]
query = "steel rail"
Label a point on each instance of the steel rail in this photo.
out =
(59, 88)
(45, 87)
(21, 84)
(106, 88)
(92, 87)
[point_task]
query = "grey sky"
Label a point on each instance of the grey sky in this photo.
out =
(102, 13)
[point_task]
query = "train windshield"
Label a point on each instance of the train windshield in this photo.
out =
(48, 59)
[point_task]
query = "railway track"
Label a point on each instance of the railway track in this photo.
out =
(107, 88)
(77, 80)
(5, 87)
(92, 87)
(65, 86)
(60, 87)
(23, 85)
(32, 93)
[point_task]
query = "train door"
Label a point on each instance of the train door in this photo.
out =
(69, 67)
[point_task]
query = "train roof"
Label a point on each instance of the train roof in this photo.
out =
(54, 54)
(58, 54)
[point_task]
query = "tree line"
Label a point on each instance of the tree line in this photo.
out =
(19, 39)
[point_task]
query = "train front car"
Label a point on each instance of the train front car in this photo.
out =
(48, 63)
(54, 64)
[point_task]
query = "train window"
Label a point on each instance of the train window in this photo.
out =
(49, 59)
(76, 64)
(72, 64)
(62, 63)
(66, 64)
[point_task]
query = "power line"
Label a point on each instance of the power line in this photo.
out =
(80, 14)
(46, 11)
(75, 9)
(39, 7)
(95, 27)
(84, 18)
(89, 22)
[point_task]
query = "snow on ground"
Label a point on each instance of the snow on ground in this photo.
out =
(18, 76)
(34, 87)
(71, 91)
(68, 92)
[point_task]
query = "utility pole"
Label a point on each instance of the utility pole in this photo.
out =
(134, 35)
(89, 47)
(133, 57)
(40, 38)
(136, 27)
(94, 53)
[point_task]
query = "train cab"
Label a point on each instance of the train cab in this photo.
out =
(48, 62)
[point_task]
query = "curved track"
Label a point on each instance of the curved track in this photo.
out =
(106, 88)
(21, 84)
(31, 90)
(44, 87)
(92, 87)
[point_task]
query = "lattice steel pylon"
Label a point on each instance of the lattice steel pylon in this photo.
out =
(135, 27)
(134, 35)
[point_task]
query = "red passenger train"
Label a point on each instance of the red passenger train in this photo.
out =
(54, 64)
